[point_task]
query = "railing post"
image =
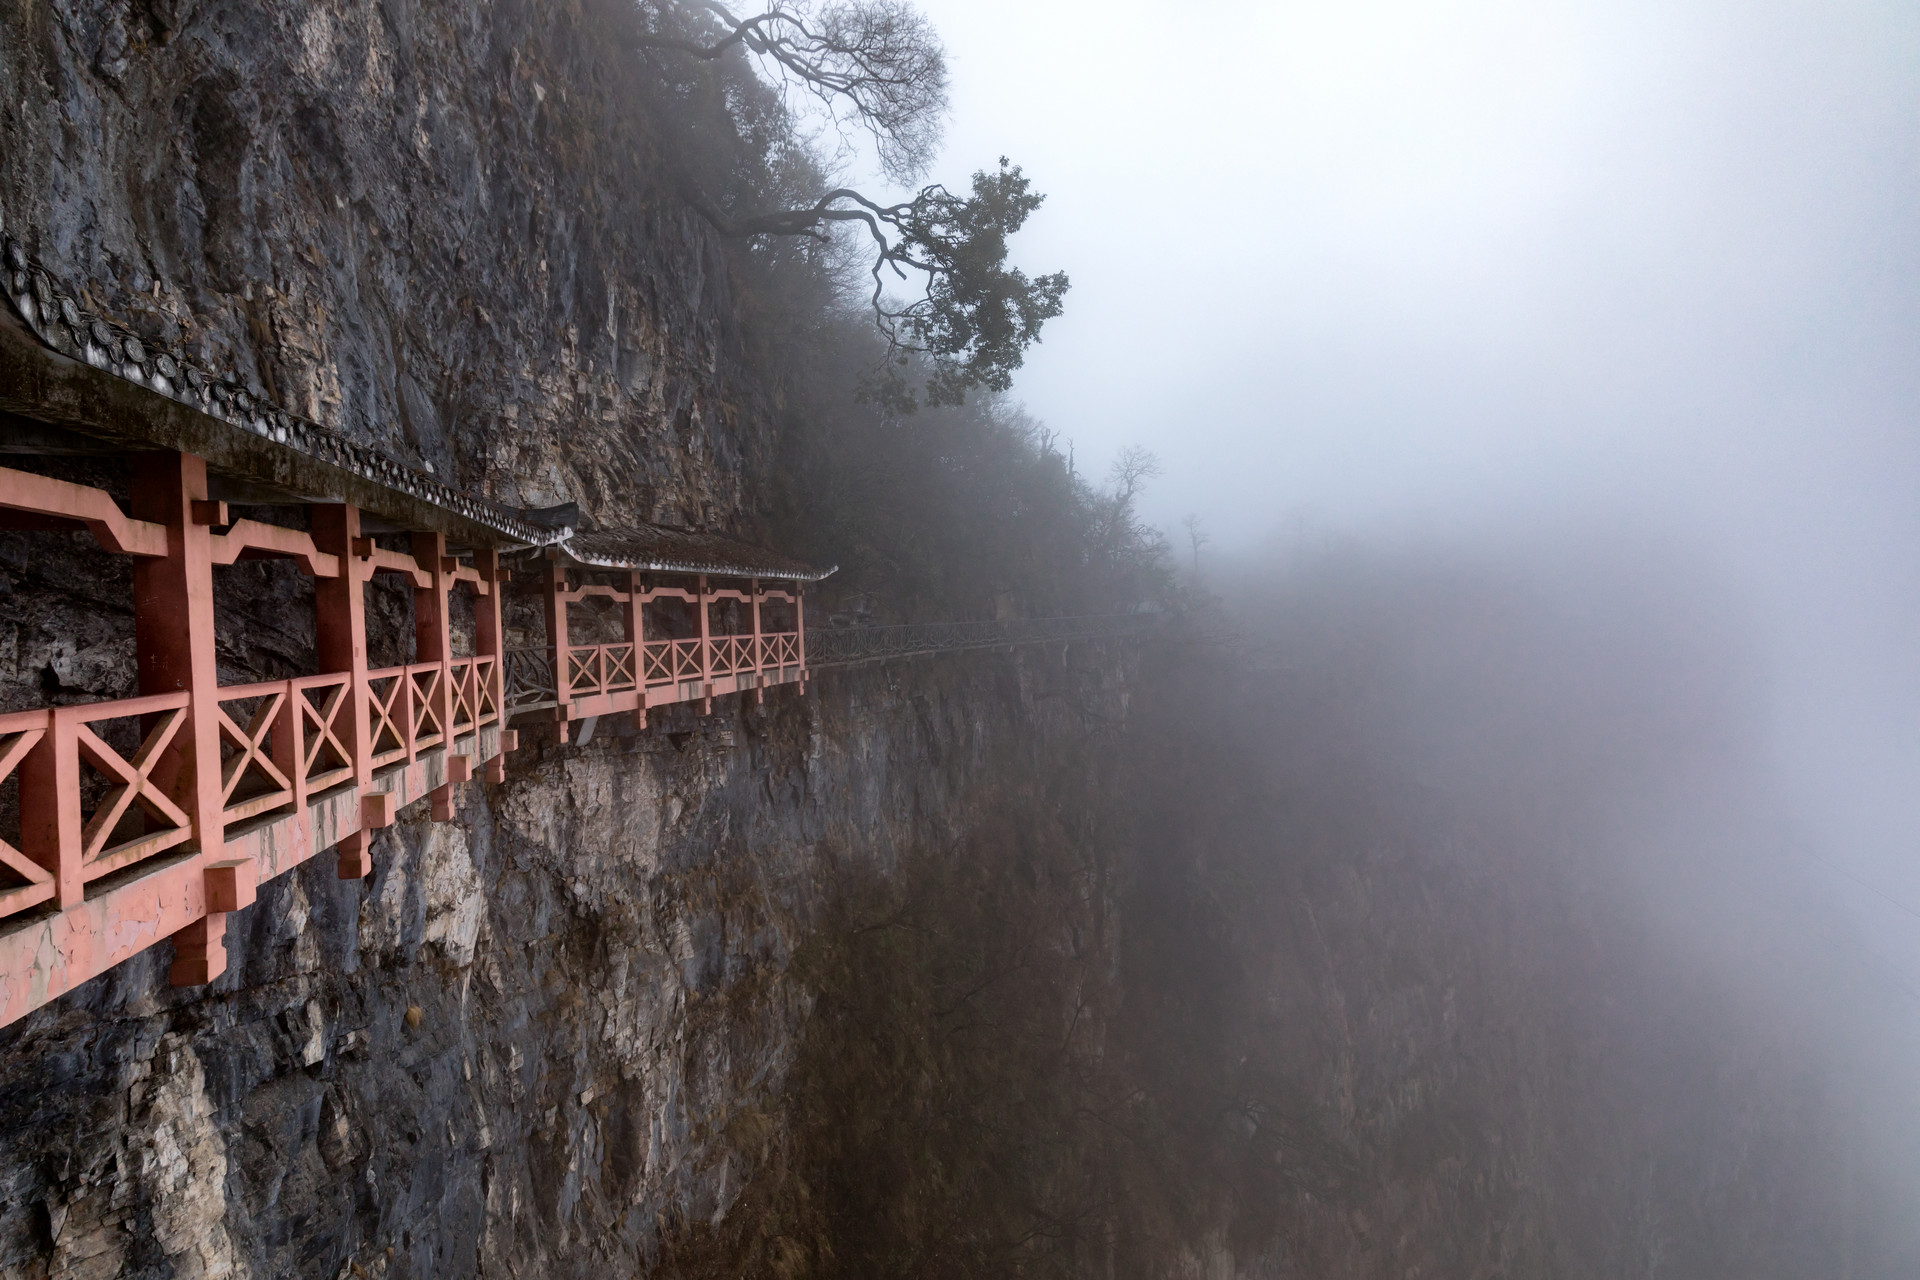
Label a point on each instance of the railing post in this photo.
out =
(489, 640)
(800, 632)
(289, 754)
(635, 625)
(556, 586)
(340, 633)
(50, 808)
(173, 641)
(706, 649)
(759, 651)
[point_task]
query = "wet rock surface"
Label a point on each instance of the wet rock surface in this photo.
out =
(438, 230)
(434, 228)
(550, 1038)
(517, 1047)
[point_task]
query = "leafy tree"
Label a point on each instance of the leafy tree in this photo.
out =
(877, 66)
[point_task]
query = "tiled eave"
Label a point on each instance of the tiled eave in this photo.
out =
(660, 549)
(66, 368)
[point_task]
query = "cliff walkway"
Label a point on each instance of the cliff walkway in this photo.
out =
(603, 678)
(126, 822)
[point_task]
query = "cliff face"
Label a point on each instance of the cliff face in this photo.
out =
(1330, 986)
(433, 226)
(523, 1046)
(518, 1047)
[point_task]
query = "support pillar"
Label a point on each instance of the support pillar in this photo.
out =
(433, 642)
(555, 585)
(432, 635)
(759, 652)
(489, 641)
(173, 639)
(706, 649)
(800, 632)
(340, 632)
(634, 622)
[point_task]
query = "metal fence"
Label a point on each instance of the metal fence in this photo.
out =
(843, 646)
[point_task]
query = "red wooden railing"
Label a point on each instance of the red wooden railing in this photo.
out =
(594, 669)
(154, 816)
(567, 682)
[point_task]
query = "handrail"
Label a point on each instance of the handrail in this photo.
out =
(154, 817)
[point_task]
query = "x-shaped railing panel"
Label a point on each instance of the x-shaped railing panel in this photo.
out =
(584, 674)
(671, 660)
(39, 883)
(324, 759)
(465, 693)
(253, 751)
(429, 717)
(486, 702)
(135, 785)
(616, 666)
(731, 654)
(389, 714)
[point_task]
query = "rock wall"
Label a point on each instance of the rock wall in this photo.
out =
(436, 227)
(518, 1048)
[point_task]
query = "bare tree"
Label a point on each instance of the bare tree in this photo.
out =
(878, 64)
(1197, 537)
(873, 64)
(1131, 471)
(1121, 531)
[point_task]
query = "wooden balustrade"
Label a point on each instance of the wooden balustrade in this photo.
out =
(670, 671)
(637, 673)
(154, 816)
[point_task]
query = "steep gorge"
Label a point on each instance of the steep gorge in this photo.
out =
(1184, 960)
(518, 1048)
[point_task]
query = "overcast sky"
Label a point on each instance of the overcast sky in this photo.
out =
(1388, 265)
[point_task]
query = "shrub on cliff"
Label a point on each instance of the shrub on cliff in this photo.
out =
(875, 68)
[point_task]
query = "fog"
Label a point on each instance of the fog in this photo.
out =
(1490, 273)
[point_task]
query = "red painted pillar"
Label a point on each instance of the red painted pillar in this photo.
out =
(340, 629)
(433, 642)
(759, 651)
(432, 629)
(173, 640)
(556, 585)
(800, 627)
(489, 640)
(634, 620)
(706, 649)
